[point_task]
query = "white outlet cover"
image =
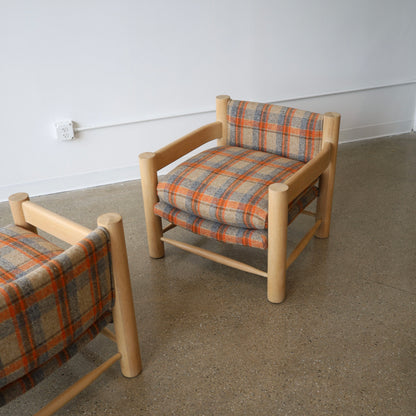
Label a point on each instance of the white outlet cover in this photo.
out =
(64, 130)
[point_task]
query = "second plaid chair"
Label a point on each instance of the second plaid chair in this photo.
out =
(263, 173)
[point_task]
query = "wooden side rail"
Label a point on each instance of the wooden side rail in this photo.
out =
(302, 244)
(26, 214)
(186, 144)
(215, 257)
(309, 173)
(77, 387)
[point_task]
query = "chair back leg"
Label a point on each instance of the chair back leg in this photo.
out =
(221, 112)
(327, 179)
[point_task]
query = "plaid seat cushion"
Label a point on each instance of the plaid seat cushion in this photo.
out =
(228, 233)
(228, 185)
(289, 132)
(212, 229)
(49, 304)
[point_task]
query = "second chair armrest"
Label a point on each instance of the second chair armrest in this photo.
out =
(309, 173)
(186, 144)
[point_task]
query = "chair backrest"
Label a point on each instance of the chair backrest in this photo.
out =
(285, 131)
(51, 310)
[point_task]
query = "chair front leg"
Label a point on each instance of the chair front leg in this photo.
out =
(123, 312)
(277, 242)
(148, 175)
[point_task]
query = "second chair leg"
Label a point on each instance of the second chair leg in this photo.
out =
(148, 174)
(277, 242)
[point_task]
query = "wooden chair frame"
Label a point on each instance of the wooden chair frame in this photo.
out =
(31, 216)
(321, 167)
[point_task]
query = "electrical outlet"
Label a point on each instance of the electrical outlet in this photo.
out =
(64, 130)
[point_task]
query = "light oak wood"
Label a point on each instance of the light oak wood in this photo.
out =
(168, 227)
(215, 257)
(310, 213)
(54, 224)
(123, 312)
(330, 135)
(76, 388)
(308, 173)
(107, 333)
(15, 203)
(302, 244)
(148, 174)
(180, 147)
(221, 112)
(277, 241)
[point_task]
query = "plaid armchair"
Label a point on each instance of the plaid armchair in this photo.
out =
(54, 301)
(247, 190)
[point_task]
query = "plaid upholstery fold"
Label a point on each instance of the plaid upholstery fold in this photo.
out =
(212, 229)
(227, 184)
(25, 383)
(46, 309)
(228, 233)
(285, 131)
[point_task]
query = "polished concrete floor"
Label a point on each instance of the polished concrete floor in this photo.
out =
(343, 342)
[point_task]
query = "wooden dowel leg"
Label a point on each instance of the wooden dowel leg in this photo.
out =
(277, 242)
(15, 202)
(327, 179)
(123, 312)
(148, 175)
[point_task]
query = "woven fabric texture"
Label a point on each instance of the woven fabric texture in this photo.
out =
(21, 251)
(25, 383)
(228, 233)
(228, 185)
(285, 131)
(212, 229)
(46, 309)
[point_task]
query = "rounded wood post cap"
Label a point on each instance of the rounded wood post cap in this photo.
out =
(223, 97)
(147, 155)
(106, 220)
(278, 187)
(332, 114)
(19, 196)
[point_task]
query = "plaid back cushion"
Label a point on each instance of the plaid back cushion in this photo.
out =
(226, 184)
(285, 131)
(48, 306)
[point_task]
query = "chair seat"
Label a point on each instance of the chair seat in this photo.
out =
(228, 233)
(227, 185)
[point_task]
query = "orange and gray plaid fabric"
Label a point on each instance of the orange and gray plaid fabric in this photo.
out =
(228, 233)
(51, 303)
(285, 131)
(212, 229)
(222, 193)
(226, 184)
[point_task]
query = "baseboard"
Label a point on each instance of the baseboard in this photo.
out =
(71, 183)
(375, 130)
(105, 177)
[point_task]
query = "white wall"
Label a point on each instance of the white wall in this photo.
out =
(112, 62)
